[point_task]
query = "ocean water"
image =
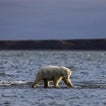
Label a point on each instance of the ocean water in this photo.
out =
(18, 70)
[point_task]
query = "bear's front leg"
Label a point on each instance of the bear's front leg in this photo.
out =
(68, 82)
(56, 82)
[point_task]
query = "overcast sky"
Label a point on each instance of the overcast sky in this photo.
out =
(52, 19)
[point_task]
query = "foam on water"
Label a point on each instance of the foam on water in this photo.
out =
(11, 83)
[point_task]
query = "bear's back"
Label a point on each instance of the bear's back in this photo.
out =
(50, 72)
(50, 69)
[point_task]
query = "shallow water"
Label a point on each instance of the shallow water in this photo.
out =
(18, 70)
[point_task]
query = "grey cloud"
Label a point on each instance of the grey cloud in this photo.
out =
(52, 19)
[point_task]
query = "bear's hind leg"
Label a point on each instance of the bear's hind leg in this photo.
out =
(46, 83)
(36, 82)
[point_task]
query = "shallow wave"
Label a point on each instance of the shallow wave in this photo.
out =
(11, 83)
(77, 85)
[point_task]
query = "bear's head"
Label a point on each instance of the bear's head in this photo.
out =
(66, 72)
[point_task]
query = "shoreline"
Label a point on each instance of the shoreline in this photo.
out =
(78, 44)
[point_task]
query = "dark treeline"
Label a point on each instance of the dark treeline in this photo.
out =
(85, 44)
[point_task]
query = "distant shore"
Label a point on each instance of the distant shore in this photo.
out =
(82, 44)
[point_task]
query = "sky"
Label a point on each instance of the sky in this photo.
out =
(52, 19)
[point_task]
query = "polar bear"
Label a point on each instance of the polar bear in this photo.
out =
(55, 74)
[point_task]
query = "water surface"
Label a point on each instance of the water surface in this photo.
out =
(18, 70)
